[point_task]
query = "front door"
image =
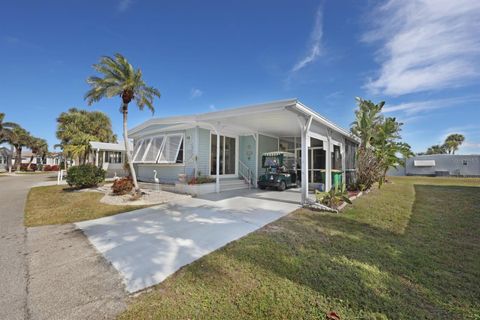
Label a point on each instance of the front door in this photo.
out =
(228, 155)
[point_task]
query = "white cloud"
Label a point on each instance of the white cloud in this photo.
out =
(123, 5)
(195, 93)
(315, 43)
(415, 107)
(425, 45)
(212, 107)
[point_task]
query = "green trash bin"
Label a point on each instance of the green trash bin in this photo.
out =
(336, 178)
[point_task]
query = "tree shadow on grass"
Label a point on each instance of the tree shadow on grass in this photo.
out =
(429, 271)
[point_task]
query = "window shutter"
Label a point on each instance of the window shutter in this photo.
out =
(139, 149)
(172, 146)
(151, 154)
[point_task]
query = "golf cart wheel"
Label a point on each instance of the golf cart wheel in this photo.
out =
(282, 186)
(263, 187)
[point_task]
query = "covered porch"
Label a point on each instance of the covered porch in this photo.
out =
(238, 138)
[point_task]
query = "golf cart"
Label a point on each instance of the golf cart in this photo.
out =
(280, 171)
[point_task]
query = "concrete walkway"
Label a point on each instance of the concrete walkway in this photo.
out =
(148, 245)
(50, 272)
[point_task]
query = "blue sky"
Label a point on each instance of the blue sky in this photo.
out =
(421, 57)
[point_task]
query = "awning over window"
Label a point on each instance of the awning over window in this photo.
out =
(158, 149)
(424, 163)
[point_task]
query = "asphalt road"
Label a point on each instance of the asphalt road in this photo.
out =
(50, 272)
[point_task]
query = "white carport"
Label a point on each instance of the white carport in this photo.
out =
(286, 118)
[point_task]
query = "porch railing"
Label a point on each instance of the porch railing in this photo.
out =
(246, 174)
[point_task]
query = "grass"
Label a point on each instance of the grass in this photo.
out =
(407, 251)
(58, 205)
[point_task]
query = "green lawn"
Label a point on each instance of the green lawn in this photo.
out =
(58, 205)
(408, 251)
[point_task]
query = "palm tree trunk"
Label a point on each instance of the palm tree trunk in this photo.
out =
(30, 163)
(127, 148)
(18, 158)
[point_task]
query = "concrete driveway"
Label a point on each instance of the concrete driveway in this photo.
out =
(148, 245)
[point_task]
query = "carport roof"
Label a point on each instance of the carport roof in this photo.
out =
(277, 118)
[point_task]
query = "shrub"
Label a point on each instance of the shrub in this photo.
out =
(24, 167)
(50, 167)
(85, 176)
(334, 197)
(201, 180)
(122, 186)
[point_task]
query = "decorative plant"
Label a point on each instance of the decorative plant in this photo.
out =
(380, 143)
(334, 197)
(85, 176)
(122, 186)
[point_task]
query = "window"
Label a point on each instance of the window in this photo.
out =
(159, 149)
(336, 158)
(180, 154)
(153, 149)
(172, 148)
(139, 149)
(465, 162)
(227, 155)
(113, 157)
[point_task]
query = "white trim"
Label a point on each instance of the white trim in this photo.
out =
(178, 150)
(318, 136)
(162, 146)
(141, 141)
(150, 140)
(290, 104)
(161, 164)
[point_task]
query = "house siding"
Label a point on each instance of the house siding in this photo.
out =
(247, 148)
(451, 164)
(203, 155)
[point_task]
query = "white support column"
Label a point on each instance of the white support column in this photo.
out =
(195, 150)
(328, 163)
(304, 148)
(217, 184)
(255, 137)
(305, 137)
(96, 157)
(342, 152)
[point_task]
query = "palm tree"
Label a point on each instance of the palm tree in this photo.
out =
(367, 118)
(119, 78)
(76, 128)
(39, 147)
(453, 141)
(437, 149)
(19, 138)
(5, 128)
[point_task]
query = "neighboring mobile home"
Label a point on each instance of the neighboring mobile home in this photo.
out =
(5, 159)
(109, 156)
(440, 165)
(229, 144)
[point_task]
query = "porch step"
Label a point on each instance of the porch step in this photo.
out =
(232, 184)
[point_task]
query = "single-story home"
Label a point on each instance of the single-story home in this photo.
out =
(5, 159)
(440, 165)
(109, 156)
(53, 158)
(228, 144)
